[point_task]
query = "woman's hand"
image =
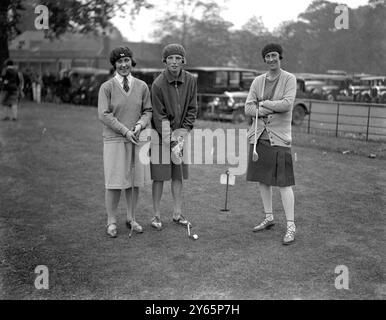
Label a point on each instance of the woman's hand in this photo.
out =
(136, 130)
(131, 137)
(263, 112)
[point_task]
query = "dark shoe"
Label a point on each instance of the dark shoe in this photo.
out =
(112, 230)
(6, 118)
(156, 223)
(181, 221)
(136, 226)
(266, 224)
(289, 235)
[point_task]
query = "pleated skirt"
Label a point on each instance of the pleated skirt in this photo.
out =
(274, 166)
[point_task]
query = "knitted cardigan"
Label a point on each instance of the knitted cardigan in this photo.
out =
(278, 124)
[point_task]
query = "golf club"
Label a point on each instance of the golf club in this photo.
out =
(132, 172)
(255, 155)
(189, 225)
(191, 236)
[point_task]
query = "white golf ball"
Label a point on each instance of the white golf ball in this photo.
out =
(195, 237)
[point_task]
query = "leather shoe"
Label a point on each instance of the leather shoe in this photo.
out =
(266, 224)
(156, 223)
(136, 226)
(289, 235)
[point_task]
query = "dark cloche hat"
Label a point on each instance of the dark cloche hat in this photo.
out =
(272, 47)
(121, 52)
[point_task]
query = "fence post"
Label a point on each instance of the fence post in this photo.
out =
(199, 106)
(368, 124)
(309, 117)
(337, 121)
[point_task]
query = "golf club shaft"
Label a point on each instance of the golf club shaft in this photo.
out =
(132, 169)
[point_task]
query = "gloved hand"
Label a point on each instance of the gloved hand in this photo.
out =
(177, 149)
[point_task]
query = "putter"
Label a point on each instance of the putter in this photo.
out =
(182, 185)
(189, 226)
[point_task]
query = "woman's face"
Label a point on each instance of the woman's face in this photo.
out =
(174, 64)
(123, 66)
(272, 59)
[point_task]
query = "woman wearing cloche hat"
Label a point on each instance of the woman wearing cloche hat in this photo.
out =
(124, 108)
(270, 101)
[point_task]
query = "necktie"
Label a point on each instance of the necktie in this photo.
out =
(125, 84)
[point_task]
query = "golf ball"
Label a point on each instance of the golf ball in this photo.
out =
(195, 237)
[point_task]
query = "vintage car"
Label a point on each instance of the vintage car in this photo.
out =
(301, 105)
(147, 74)
(376, 91)
(80, 85)
(222, 91)
(333, 86)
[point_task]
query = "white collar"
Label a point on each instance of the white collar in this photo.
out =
(120, 79)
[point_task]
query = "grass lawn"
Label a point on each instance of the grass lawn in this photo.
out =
(52, 213)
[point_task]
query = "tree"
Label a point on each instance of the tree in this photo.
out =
(180, 15)
(210, 42)
(70, 15)
(255, 25)
(9, 16)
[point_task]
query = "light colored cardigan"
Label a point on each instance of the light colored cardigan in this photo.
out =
(278, 124)
(119, 111)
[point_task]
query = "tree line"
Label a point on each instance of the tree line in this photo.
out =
(311, 44)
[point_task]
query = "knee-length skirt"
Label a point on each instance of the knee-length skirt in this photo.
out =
(117, 166)
(274, 166)
(162, 167)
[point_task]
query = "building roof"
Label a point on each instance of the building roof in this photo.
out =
(33, 46)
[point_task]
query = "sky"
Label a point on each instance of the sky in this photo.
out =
(272, 12)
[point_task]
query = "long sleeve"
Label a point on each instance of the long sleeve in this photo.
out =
(286, 103)
(146, 109)
(191, 112)
(105, 114)
(160, 116)
(252, 100)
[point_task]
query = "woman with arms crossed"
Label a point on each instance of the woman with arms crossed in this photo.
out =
(270, 101)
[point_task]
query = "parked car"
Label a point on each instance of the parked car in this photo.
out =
(223, 91)
(332, 86)
(301, 105)
(147, 74)
(376, 91)
(92, 91)
(80, 85)
(357, 87)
